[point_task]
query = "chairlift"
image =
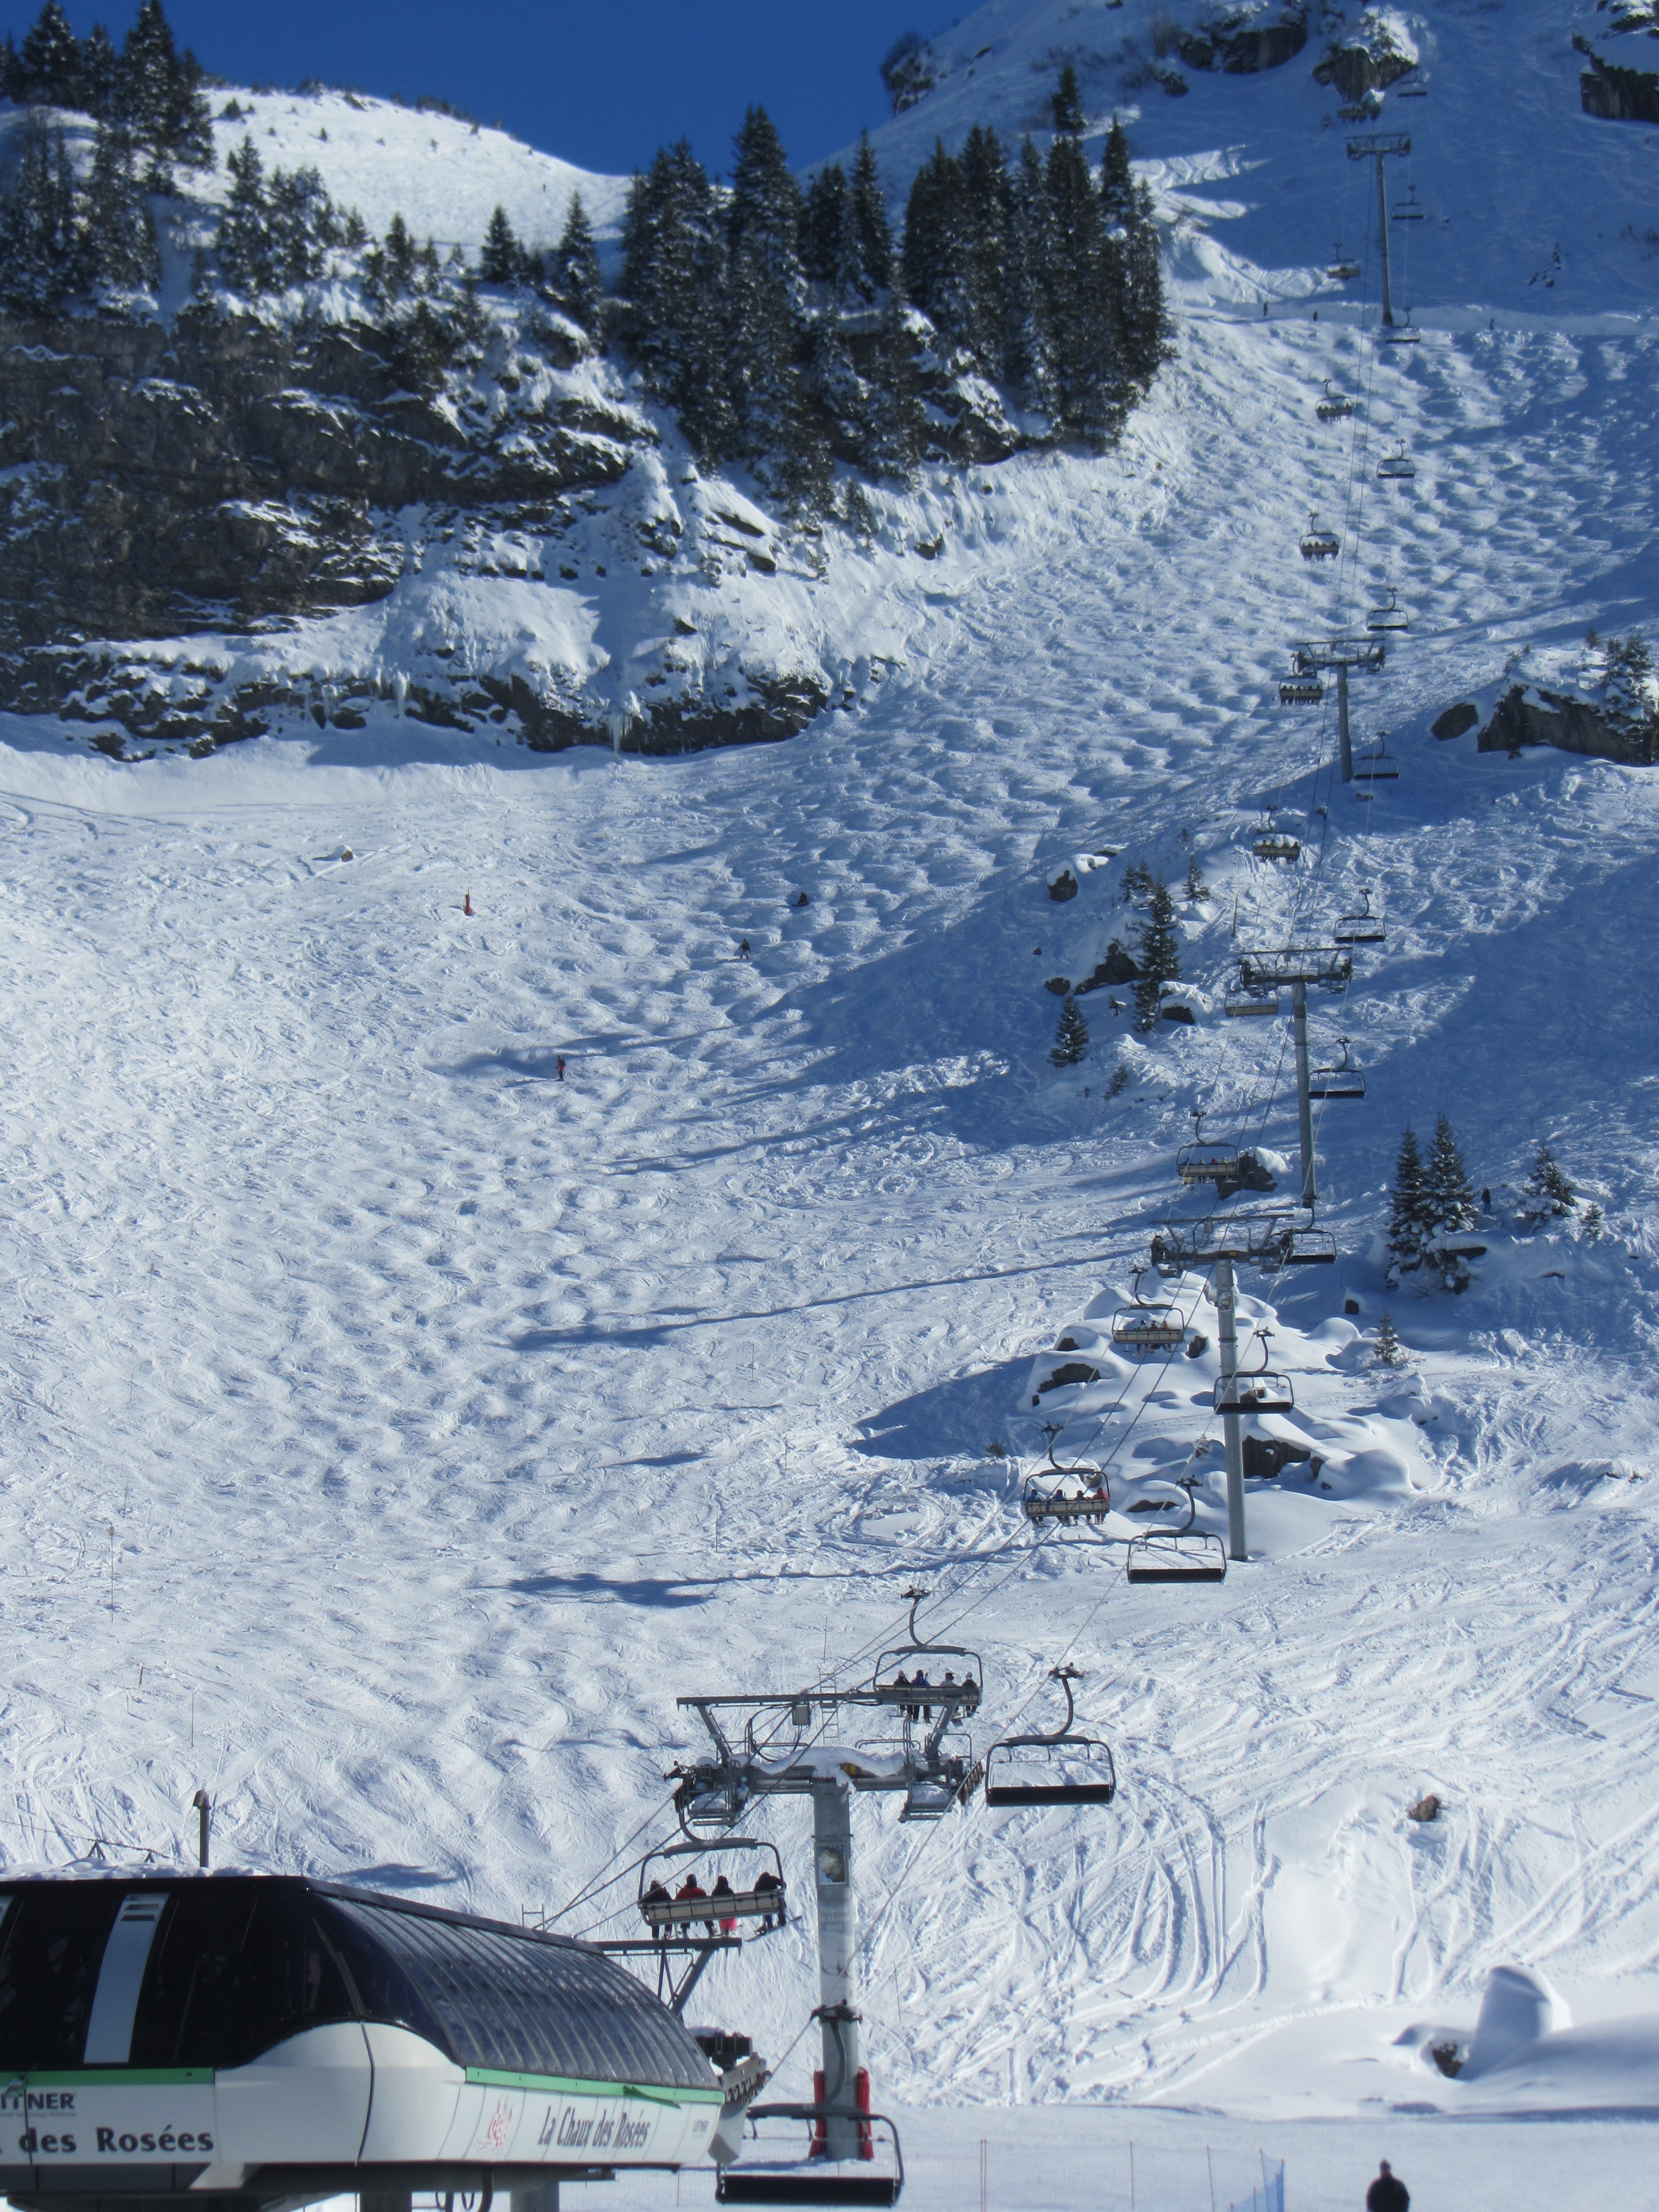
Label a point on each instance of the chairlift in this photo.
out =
(1342, 1080)
(1301, 691)
(1342, 272)
(1277, 848)
(1319, 544)
(1177, 1555)
(1255, 1389)
(956, 1697)
(1378, 767)
(1092, 1504)
(1410, 212)
(1390, 614)
(1143, 1330)
(1059, 1769)
(668, 1912)
(1335, 406)
(1245, 1004)
(1198, 1162)
(1411, 92)
(1401, 333)
(1397, 467)
(768, 2174)
(1361, 928)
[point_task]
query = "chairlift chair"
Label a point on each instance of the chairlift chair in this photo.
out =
(1343, 1080)
(1411, 92)
(1410, 212)
(916, 1698)
(1242, 1005)
(1389, 616)
(1255, 1389)
(1378, 767)
(667, 1915)
(1319, 544)
(1146, 1330)
(1177, 1555)
(1198, 1162)
(1277, 848)
(1341, 271)
(1397, 467)
(1301, 691)
(1058, 1769)
(1091, 1505)
(1335, 406)
(767, 2173)
(1402, 334)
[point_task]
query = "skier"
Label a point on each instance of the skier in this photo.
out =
(657, 1895)
(1486, 1199)
(723, 1888)
(743, 949)
(766, 1888)
(1387, 2193)
(466, 904)
(560, 1058)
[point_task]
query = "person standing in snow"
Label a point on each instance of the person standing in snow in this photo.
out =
(560, 1058)
(1387, 2193)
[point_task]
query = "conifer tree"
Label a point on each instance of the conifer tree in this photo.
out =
(99, 73)
(674, 281)
(1449, 1198)
(765, 300)
(1117, 185)
(1408, 1205)
(932, 257)
(1196, 886)
(158, 96)
(1160, 956)
(1070, 1036)
(49, 62)
(829, 235)
(875, 233)
(118, 239)
(1138, 278)
(574, 271)
(399, 256)
(40, 249)
(1549, 1195)
(1388, 1342)
(1025, 352)
(501, 258)
(890, 428)
(1080, 318)
(1066, 104)
(245, 259)
(984, 226)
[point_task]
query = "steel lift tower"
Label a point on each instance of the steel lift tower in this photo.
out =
(1366, 655)
(1261, 975)
(1379, 146)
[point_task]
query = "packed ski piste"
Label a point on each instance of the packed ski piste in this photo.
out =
(975, 1382)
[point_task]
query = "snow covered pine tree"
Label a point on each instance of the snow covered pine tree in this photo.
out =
(1071, 1036)
(1160, 956)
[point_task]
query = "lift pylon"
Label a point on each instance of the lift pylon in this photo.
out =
(1298, 966)
(1378, 146)
(1366, 655)
(789, 1761)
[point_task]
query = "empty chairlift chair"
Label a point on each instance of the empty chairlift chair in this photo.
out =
(1255, 1390)
(1397, 467)
(1341, 1080)
(1318, 543)
(1334, 407)
(1360, 927)
(1378, 766)
(1185, 1554)
(786, 2159)
(1390, 614)
(1408, 211)
(1057, 1769)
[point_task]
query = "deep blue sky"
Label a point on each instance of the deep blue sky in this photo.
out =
(603, 85)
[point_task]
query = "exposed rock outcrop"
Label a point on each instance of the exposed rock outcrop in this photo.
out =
(1619, 95)
(1527, 716)
(1239, 45)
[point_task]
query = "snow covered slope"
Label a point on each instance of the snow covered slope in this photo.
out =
(394, 1429)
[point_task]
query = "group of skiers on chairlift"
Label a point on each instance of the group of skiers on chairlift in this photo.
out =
(690, 1890)
(919, 1681)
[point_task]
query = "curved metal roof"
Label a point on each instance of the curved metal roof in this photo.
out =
(235, 1963)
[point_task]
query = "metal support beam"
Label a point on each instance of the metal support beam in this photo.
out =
(1342, 720)
(1303, 1104)
(1382, 232)
(832, 1858)
(1226, 1329)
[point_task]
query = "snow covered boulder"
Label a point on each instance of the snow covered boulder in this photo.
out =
(1519, 2007)
(1062, 886)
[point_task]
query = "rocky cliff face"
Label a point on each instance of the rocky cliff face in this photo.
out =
(220, 483)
